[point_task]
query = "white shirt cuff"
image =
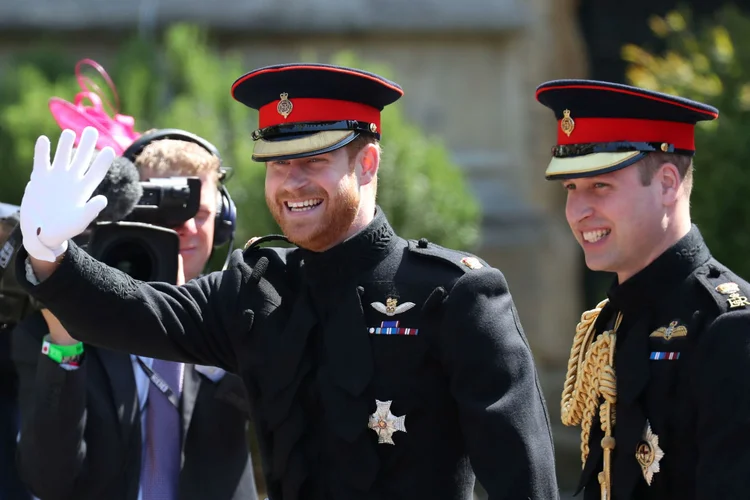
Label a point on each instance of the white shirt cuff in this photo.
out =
(30, 276)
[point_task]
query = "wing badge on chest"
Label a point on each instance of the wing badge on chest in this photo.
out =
(392, 308)
(673, 330)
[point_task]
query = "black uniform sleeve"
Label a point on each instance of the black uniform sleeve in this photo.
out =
(193, 323)
(494, 381)
(722, 379)
(51, 452)
(231, 389)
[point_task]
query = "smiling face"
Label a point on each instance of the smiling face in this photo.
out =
(319, 201)
(619, 222)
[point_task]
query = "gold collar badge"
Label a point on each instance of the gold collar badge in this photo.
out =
(733, 290)
(471, 262)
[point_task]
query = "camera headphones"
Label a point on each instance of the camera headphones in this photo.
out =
(226, 211)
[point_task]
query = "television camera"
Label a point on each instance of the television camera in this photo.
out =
(132, 234)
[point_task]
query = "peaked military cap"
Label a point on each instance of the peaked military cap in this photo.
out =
(309, 109)
(605, 126)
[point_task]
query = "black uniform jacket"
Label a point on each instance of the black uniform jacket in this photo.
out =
(320, 338)
(683, 370)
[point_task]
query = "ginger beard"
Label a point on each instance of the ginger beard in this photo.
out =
(323, 226)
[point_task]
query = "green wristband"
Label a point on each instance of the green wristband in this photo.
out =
(61, 353)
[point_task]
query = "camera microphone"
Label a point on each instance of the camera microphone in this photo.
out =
(122, 188)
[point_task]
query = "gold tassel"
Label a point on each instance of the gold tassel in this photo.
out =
(591, 377)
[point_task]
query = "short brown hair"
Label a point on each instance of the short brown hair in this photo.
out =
(170, 156)
(354, 147)
(653, 161)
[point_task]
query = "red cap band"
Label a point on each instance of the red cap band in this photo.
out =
(305, 109)
(600, 130)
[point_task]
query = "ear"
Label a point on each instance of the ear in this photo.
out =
(670, 182)
(369, 160)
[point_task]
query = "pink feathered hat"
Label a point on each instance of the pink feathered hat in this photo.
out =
(116, 131)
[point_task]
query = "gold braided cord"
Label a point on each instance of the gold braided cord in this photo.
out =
(572, 404)
(607, 384)
(590, 378)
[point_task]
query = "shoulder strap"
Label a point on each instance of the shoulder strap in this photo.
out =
(462, 261)
(728, 291)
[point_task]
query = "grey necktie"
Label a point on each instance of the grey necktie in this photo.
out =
(160, 470)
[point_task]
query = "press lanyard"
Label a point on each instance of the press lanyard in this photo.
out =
(159, 383)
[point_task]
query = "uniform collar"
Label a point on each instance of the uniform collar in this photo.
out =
(358, 253)
(647, 287)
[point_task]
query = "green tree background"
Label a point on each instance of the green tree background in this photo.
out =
(709, 61)
(183, 81)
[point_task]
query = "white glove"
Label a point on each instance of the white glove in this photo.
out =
(55, 205)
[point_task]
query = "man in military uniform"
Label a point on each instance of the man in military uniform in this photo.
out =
(376, 367)
(659, 375)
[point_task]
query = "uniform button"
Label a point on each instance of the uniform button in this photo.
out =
(713, 272)
(422, 243)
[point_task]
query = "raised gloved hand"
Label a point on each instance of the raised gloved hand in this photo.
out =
(56, 204)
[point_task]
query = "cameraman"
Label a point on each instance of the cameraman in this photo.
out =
(93, 424)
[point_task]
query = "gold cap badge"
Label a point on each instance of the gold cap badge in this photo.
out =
(728, 288)
(567, 124)
(285, 106)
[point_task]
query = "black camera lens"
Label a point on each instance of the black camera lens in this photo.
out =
(132, 257)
